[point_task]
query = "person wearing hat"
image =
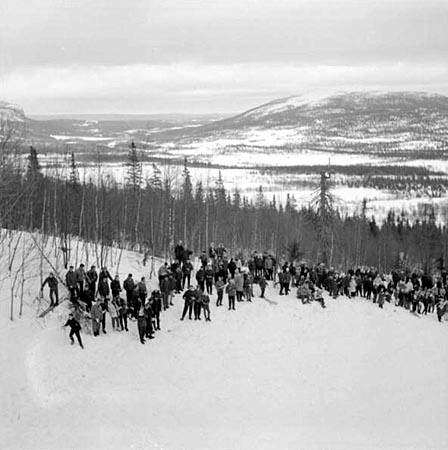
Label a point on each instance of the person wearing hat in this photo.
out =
(53, 285)
(75, 328)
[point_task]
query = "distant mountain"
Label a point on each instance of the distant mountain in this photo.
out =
(11, 112)
(338, 112)
(381, 106)
(376, 123)
(380, 124)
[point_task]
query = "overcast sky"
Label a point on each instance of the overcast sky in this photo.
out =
(150, 56)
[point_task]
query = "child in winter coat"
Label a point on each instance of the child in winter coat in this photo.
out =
(206, 307)
(220, 286)
(113, 312)
(262, 283)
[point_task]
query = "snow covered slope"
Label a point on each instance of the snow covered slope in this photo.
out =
(272, 374)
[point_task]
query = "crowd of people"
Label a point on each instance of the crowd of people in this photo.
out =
(98, 294)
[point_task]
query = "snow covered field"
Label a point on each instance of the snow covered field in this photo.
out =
(274, 374)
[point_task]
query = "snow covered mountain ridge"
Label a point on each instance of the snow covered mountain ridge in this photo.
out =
(11, 112)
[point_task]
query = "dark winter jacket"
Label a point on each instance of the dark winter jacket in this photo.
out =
(52, 283)
(73, 324)
(129, 284)
(103, 288)
(189, 296)
(209, 274)
(104, 275)
(187, 267)
(70, 279)
(156, 302)
(200, 276)
(179, 252)
(92, 276)
(115, 287)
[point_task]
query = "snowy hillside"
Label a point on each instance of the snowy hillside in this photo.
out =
(272, 374)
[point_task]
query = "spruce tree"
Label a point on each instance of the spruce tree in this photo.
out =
(134, 169)
(33, 171)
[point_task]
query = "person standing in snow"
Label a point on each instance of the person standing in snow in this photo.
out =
(200, 278)
(52, 282)
(142, 317)
(103, 289)
(206, 307)
(352, 286)
(189, 298)
(142, 290)
(179, 252)
(231, 293)
(129, 286)
(92, 278)
(381, 296)
(209, 275)
(115, 286)
(220, 286)
(113, 312)
(156, 298)
(197, 306)
(122, 313)
(187, 268)
(239, 285)
(149, 317)
(165, 290)
(262, 283)
(75, 328)
(70, 281)
(203, 258)
(247, 286)
(80, 281)
(96, 313)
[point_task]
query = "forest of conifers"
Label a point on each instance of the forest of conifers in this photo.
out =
(151, 215)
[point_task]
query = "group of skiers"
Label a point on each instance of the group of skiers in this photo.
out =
(102, 294)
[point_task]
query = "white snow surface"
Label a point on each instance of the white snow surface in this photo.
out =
(274, 374)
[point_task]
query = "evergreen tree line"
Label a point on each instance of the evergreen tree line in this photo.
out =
(151, 215)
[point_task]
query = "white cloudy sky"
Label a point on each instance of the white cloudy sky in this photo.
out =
(149, 56)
